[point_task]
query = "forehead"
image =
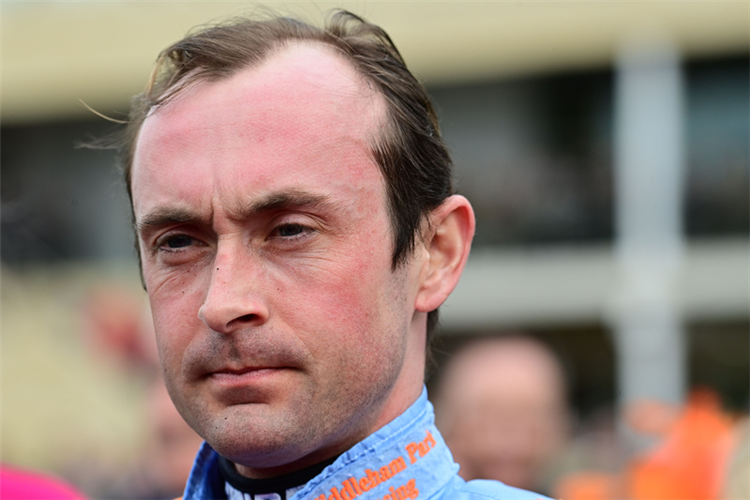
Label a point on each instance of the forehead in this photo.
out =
(309, 75)
(506, 368)
(303, 97)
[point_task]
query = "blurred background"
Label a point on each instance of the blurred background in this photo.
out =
(605, 148)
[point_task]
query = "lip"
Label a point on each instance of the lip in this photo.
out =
(244, 376)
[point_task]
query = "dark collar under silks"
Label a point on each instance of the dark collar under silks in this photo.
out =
(281, 487)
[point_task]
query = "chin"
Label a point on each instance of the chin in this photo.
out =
(258, 441)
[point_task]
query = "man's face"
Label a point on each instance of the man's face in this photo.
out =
(283, 332)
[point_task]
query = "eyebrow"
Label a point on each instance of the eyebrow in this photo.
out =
(165, 216)
(279, 201)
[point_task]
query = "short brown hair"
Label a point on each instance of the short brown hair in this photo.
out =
(410, 152)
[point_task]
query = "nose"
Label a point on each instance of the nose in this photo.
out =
(233, 299)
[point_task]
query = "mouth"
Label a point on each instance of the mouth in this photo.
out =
(243, 376)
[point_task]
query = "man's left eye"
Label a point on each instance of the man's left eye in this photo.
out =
(290, 230)
(179, 241)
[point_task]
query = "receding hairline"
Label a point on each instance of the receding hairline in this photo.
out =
(277, 48)
(368, 89)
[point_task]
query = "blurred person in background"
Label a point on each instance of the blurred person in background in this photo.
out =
(693, 451)
(120, 328)
(697, 453)
(503, 410)
(170, 448)
(297, 228)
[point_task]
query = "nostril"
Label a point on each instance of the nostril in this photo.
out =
(247, 318)
(240, 321)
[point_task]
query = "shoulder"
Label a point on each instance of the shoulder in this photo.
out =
(481, 489)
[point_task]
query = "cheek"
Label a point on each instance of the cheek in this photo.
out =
(354, 297)
(174, 307)
(346, 285)
(175, 286)
(368, 309)
(339, 320)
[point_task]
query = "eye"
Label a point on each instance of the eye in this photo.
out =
(291, 230)
(177, 241)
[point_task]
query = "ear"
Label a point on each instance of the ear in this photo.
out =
(447, 242)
